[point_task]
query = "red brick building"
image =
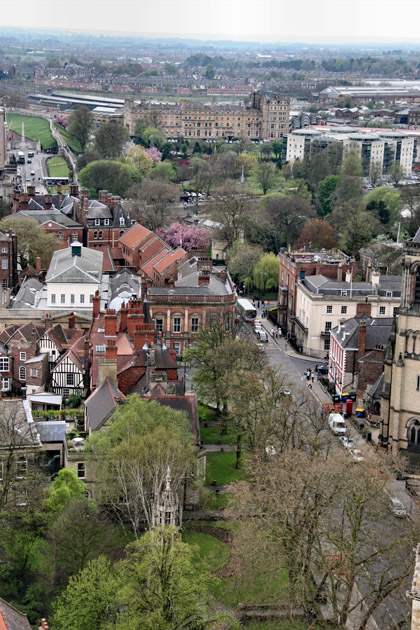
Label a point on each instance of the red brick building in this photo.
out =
(199, 298)
(295, 265)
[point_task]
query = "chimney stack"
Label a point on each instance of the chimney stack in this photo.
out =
(362, 339)
(107, 368)
(96, 305)
(48, 201)
(110, 323)
(72, 320)
(74, 190)
(123, 317)
(363, 308)
(38, 265)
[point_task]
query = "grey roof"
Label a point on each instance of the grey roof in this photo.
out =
(416, 238)
(118, 213)
(97, 210)
(36, 359)
(86, 268)
(27, 293)
(11, 618)
(45, 216)
(324, 286)
(52, 430)
(378, 331)
(101, 403)
(375, 390)
(124, 281)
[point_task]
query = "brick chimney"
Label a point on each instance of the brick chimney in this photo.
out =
(110, 323)
(31, 191)
(74, 190)
(135, 315)
(59, 191)
(123, 317)
(115, 200)
(96, 305)
(107, 368)
(38, 265)
(72, 320)
(363, 308)
(23, 202)
(362, 339)
(141, 333)
(102, 196)
(48, 201)
(204, 267)
(16, 198)
(84, 193)
(108, 199)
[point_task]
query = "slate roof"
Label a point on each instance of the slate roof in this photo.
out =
(97, 210)
(45, 216)
(375, 390)
(117, 213)
(86, 268)
(377, 332)
(11, 618)
(321, 285)
(124, 281)
(27, 293)
(101, 403)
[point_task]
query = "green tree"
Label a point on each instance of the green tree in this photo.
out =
(110, 139)
(282, 220)
(326, 193)
(352, 165)
(266, 176)
(266, 272)
(117, 177)
(138, 156)
(131, 459)
(277, 149)
(89, 601)
(232, 210)
(163, 171)
(65, 488)
(298, 188)
(80, 125)
(241, 260)
(32, 241)
(162, 589)
(396, 173)
(354, 226)
(153, 137)
(317, 234)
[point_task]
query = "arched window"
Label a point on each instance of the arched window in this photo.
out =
(413, 434)
(22, 373)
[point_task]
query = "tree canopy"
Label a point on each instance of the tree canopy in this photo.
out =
(117, 177)
(32, 240)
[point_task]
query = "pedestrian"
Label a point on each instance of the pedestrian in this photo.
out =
(272, 332)
(308, 375)
(313, 376)
(258, 304)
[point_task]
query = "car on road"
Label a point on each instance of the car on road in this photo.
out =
(346, 441)
(356, 454)
(257, 325)
(322, 368)
(262, 336)
(397, 507)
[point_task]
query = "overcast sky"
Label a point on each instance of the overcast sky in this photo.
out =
(265, 20)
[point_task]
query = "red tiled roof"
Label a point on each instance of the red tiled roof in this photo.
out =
(135, 235)
(108, 263)
(148, 268)
(164, 263)
(151, 248)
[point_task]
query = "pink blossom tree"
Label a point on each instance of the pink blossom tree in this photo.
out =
(154, 154)
(184, 235)
(62, 120)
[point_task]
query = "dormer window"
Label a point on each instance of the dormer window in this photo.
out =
(106, 222)
(97, 222)
(122, 221)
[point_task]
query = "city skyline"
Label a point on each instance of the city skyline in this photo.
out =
(276, 21)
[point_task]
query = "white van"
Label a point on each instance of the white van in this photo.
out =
(337, 424)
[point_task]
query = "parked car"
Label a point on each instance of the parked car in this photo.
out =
(322, 368)
(397, 507)
(356, 454)
(337, 424)
(346, 441)
(262, 336)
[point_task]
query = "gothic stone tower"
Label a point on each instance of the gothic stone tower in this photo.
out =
(400, 405)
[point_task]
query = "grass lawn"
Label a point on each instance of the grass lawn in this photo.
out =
(216, 501)
(70, 140)
(213, 435)
(35, 129)
(212, 553)
(221, 468)
(276, 625)
(57, 167)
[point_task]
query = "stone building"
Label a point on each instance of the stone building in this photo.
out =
(265, 118)
(400, 404)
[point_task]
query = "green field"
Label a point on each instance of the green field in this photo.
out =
(210, 550)
(57, 167)
(221, 468)
(35, 129)
(70, 140)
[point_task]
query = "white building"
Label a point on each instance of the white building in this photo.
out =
(73, 277)
(322, 304)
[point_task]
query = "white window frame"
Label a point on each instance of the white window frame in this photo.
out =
(22, 356)
(4, 263)
(176, 318)
(52, 298)
(195, 324)
(81, 468)
(5, 384)
(97, 222)
(4, 364)
(106, 221)
(21, 468)
(82, 298)
(70, 380)
(22, 374)
(33, 372)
